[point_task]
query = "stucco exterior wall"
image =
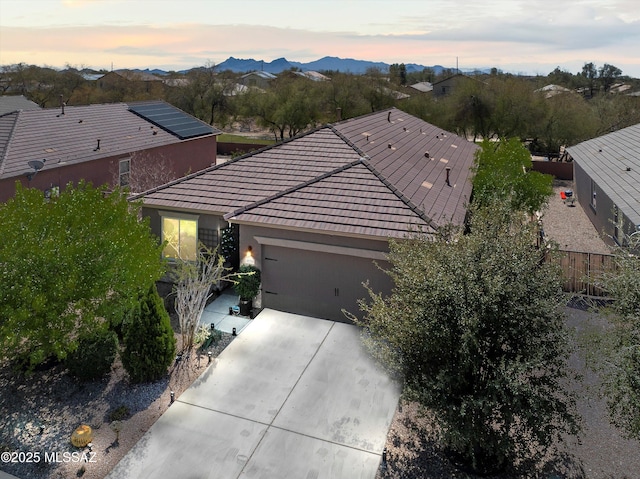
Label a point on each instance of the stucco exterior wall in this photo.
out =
(177, 159)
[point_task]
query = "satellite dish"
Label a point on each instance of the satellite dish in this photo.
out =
(36, 164)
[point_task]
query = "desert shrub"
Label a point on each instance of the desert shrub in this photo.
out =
(202, 334)
(150, 344)
(94, 356)
(120, 413)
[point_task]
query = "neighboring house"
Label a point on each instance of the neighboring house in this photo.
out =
(316, 211)
(9, 103)
(552, 90)
(422, 87)
(257, 79)
(124, 78)
(449, 85)
(313, 75)
(108, 143)
(606, 172)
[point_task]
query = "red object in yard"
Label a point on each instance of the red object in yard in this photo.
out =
(563, 195)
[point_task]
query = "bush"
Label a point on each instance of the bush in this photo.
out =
(150, 344)
(94, 356)
(246, 283)
(119, 414)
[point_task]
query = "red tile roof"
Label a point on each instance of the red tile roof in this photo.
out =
(367, 176)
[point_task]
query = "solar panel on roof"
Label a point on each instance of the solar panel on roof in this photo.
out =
(171, 119)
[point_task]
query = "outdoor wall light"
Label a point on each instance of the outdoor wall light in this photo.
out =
(248, 257)
(173, 396)
(209, 355)
(233, 332)
(213, 325)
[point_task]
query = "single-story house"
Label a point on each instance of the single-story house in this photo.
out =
(259, 79)
(139, 144)
(606, 173)
(552, 90)
(121, 78)
(317, 211)
(422, 87)
(448, 85)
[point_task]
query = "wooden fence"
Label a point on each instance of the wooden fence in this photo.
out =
(580, 269)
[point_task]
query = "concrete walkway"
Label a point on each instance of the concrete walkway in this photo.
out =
(291, 397)
(217, 312)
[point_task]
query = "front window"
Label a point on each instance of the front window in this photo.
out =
(181, 236)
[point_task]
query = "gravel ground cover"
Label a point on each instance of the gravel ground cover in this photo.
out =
(569, 226)
(39, 413)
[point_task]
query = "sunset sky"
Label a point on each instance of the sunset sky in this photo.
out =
(530, 37)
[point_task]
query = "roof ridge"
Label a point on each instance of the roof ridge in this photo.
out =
(391, 108)
(229, 162)
(348, 142)
(5, 153)
(410, 204)
(297, 187)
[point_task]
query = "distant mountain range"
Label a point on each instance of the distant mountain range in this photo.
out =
(345, 65)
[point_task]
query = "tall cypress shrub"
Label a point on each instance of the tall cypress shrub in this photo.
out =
(150, 344)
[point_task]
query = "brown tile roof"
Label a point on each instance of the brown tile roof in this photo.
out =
(73, 137)
(397, 143)
(366, 177)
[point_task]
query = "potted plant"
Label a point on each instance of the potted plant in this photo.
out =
(246, 284)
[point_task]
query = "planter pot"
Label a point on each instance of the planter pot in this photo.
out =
(245, 307)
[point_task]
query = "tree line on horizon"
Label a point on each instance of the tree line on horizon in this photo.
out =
(492, 105)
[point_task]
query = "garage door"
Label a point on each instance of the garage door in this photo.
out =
(316, 283)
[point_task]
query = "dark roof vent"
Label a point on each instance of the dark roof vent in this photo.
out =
(97, 148)
(389, 117)
(426, 154)
(448, 169)
(628, 168)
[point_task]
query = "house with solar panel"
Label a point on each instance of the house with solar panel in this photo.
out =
(606, 175)
(139, 145)
(315, 213)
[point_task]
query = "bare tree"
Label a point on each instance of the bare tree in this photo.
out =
(142, 172)
(194, 282)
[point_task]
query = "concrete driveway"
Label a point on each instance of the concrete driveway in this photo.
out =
(290, 397)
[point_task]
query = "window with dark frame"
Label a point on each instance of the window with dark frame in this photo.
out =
(124, 170)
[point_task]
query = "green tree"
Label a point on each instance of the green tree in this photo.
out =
(149, 340)
(619, 353)
(474, 328)
(65, 261)
(398, 73)
(607, 74)
(290, 105)
(502, 173)
(569, 119)
(590, 75)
